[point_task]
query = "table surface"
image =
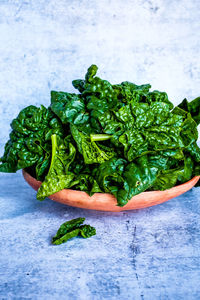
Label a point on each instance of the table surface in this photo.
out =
(153, 253)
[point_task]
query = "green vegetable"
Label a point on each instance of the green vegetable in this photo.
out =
(72, 229)
(92, 153)
(30, 141)
(68, 226)
(87, 231)
(121, 139)
(192, 107)
(66, 237)
(58, 176)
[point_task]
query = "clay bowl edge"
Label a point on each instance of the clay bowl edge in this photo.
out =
(107, 202)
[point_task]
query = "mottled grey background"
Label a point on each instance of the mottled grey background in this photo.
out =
(147, 254)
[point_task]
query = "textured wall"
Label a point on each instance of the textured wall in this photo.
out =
(45, 44)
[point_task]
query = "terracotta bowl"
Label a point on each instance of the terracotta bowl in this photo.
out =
(108, 202)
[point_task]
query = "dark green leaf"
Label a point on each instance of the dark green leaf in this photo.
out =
(86, 231)
(66, 237)
(68, 226)
(193, 107)
(89, 149)
(30, 142)
(58, 176)
(72, 229)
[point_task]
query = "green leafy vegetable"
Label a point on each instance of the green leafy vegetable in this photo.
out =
(66, 237)
(58, 176)
(30, 140)
(72, 229)
(121, 139)
(87, 231)
(92, 153)
(68, 226)
(192, 107)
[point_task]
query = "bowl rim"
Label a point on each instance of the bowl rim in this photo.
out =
(107, 202)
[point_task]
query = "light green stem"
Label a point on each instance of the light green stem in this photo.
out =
(54, 147)
(100, 137)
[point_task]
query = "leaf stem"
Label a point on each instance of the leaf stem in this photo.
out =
(99, 137)
(54, 147)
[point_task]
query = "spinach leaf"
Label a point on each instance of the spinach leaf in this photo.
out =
(116, 177)
(193, 107)
(62, 175)
(86, 183)
(58, 176)
(87, 231)
(30, 142)
(67, 227)
(70, 108)
(66, 237)
(109, 176)
(92, 153)
(73, 228)
(168, 178)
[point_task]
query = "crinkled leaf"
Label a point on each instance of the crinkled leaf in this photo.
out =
(193, 107)
(89, 149)
(58, 176)
(169, 178)
(86, 231)
(66, 237)
(30, 140)
(72, 229)
(68, 226)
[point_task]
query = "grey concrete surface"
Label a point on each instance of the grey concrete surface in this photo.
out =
(146, 254)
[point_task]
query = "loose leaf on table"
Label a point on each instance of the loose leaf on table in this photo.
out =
(86, 231)
(68, 226)
(73, 228)
(66, 237)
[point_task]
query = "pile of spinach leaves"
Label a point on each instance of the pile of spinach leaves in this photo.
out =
(121, 139)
